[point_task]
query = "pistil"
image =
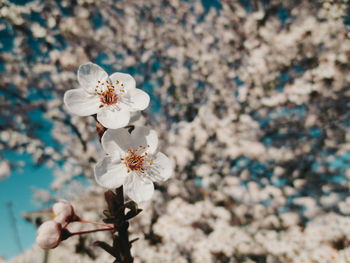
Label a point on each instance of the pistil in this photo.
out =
(109, 97)
(109, 93)
(135, 161)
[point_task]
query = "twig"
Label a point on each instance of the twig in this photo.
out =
(121, 243)
(91, 231)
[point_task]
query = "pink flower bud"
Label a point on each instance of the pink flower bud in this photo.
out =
(48, 235)
(63, 212)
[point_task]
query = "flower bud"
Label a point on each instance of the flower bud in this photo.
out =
(48, 235)
(63, 212)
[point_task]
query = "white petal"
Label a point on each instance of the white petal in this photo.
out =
(111, 140)
(121, 140)
(144, 136)
(112, 118)
(79, 102)
(139, 100)
(109, 173)
(150, 135)
(161, 169)
(135, 116)
(89, 74)
(63, 211)
(127, 80)
(138, 189)
(49, 235)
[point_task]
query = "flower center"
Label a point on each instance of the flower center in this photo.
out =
(109, 97)
(135, 161)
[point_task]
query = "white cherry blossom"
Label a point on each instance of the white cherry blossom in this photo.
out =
(49, 235)
(133, 161)
(63, 212)
(113, 98)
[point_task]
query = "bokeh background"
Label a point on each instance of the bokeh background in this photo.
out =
(251, 101)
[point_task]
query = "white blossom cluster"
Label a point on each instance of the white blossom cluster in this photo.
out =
(132, 156)
(254, 111)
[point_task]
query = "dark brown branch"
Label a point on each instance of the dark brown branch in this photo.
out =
(116, 212)
(100, 129)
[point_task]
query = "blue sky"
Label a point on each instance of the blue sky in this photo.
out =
(18, 190)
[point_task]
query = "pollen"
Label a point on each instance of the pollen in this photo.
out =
(109, 93)
(108, 97)
(135, 161)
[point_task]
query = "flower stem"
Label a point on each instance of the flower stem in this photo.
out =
(121, 245)
(122, 240)
(100, 129)
(95, 223)
(92, 231)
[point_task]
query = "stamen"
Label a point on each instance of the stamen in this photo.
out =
(108, 97)
(111, 94)
(135, 161)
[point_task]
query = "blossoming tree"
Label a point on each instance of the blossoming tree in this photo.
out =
(254, 111)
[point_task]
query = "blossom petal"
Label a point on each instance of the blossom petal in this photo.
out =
(63, 211)
(79, 102)
(111, 139)
(135, 116)
(48, 235)
(151, 137)
(161, 168)
(138, 189)
(112, 118)
(121, 140)
(127, 80)
(89, 74)
(109, 173)
(139, 100)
